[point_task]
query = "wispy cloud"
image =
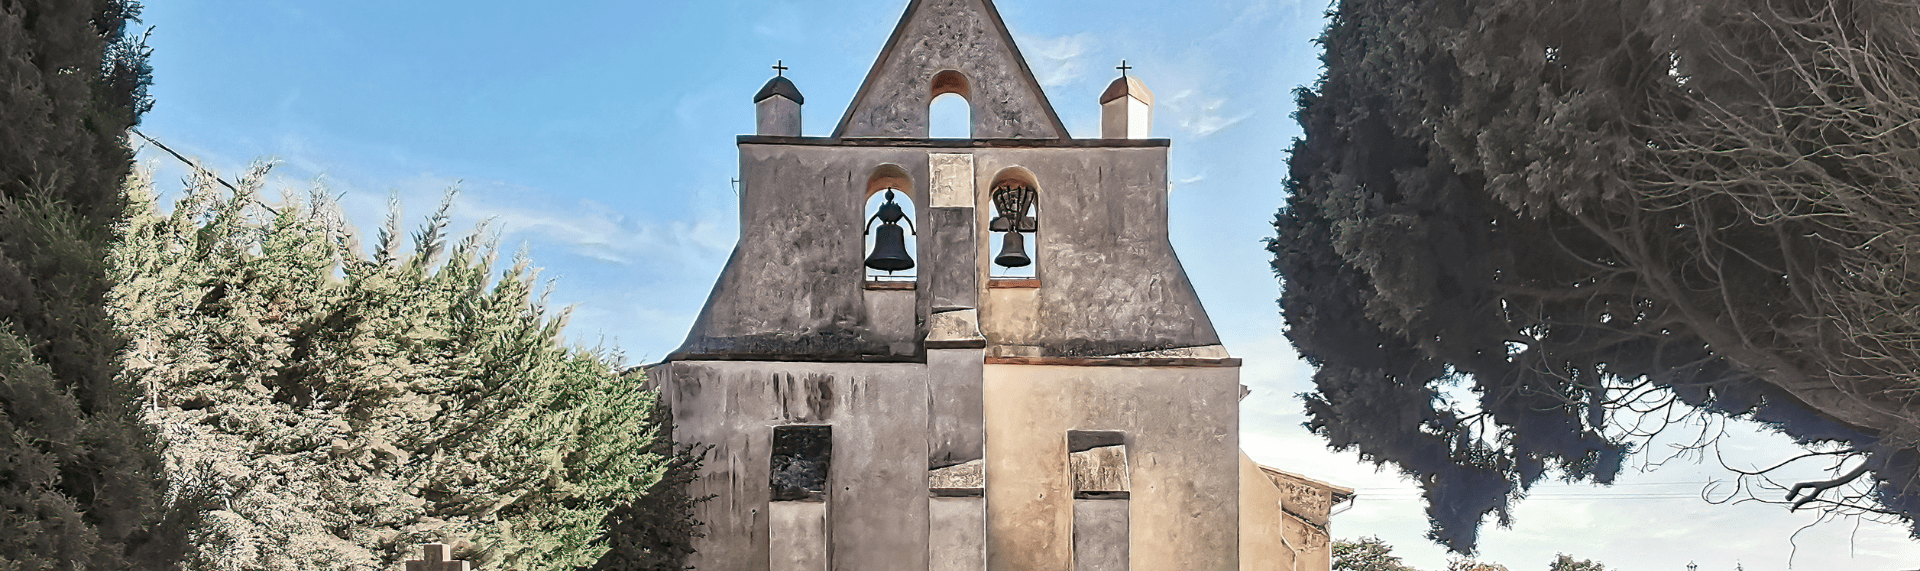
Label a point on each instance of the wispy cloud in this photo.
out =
(781, 22)
(1059, 60)
(1201, 116)
(593, 231)
(599, 232)
(1255, 18)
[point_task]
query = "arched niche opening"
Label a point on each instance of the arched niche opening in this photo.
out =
(949, 113)
(1014, 203)
(890, 231)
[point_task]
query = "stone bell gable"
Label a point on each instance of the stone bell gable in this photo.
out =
(951, 46)
(966, 354)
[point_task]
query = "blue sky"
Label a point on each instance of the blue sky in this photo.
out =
(600, 135)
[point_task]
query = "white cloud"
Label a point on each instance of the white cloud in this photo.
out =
(1059, 60)
(591, 230)
(597, 231)
(782, 22)
(1201, 116)
(1252, 19)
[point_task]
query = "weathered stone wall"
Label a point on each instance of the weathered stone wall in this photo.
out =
(960, 35)
(876, 501)
(1109, 281)
(1284, 519)
(793, 287)
(968, 423)
(1182, 441)
(955, 433)
(1263, 541)
(957, 534)
(1100, 535)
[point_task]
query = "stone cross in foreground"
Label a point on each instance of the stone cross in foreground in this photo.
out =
(436, 560)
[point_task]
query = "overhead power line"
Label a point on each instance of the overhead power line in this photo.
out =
(197, 167)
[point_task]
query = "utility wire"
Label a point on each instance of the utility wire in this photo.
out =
(197, 167)
(1411, 487)
(1408, 494)
(1561, 498)
(183, 158)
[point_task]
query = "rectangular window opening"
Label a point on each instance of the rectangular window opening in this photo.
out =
(1102, 518)
(802, 460)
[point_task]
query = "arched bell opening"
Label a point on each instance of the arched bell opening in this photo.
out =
(890, 231)
(949, 107)
(1013, 201)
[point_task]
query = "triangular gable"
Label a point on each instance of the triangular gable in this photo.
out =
(960, 35)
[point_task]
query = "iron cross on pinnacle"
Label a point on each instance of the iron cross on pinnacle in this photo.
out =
(780, 68)
(1123, 68)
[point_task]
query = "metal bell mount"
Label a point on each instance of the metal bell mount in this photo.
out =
(890, 241)
(1013, 200)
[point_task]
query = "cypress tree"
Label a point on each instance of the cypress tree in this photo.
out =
(1586, 214)
(655, 531)
(336, 408)
(80, 485)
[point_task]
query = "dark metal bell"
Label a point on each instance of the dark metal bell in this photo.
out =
(1013, 252)
(890, 249)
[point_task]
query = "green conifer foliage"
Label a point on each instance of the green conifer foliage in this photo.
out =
(335, 409)
(1523, 239)
(80, 483)
(655, 532)
(1564, 562)
(1366, 554)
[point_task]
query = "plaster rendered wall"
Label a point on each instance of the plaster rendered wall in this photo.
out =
(957, 534)
(794, 284)
(1306, 511)
(1182, 444)
(790, 336)
(1126, 118)
(877, 509)
(777, 116)
(948, 243)
(797, 536)
(1311, 557)
(1110, 282)
(960, 35)
(1263, 543)
(955, 433)
(892, 316)
(1100, 529)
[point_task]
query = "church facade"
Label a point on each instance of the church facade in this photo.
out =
(969, 354)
